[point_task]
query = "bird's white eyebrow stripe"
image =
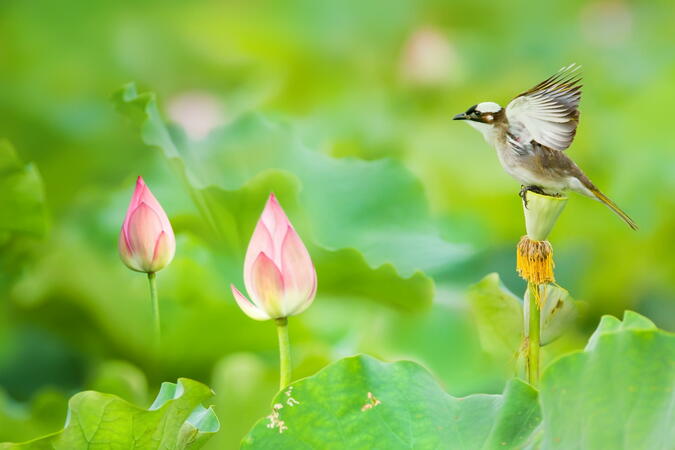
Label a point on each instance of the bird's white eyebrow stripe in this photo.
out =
(488, 107)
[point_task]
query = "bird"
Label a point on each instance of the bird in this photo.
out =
(532, 133)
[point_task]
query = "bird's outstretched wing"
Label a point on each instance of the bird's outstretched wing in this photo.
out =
(547, 113)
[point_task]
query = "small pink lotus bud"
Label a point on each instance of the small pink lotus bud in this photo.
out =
(147, 243)
(278, 271)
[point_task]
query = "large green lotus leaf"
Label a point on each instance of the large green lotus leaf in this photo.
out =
(375, 208)
(120, 378)
(362, 403)
(45, 413)
(499, 317)
(608, 324)
(176, 420)
(618, 393)
(23, 216)
(22, 203)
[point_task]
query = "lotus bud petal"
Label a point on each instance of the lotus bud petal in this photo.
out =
(249, 308)
(559, 310)
(146, 243)
(278, 272)
(541, 214)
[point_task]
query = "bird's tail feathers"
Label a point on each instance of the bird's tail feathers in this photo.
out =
(625, 217)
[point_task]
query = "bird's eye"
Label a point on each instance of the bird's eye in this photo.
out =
(477, 113)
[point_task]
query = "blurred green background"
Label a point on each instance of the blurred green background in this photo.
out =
(342, 108)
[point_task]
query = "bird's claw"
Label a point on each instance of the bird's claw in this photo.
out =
(523, 192)
(523, 195)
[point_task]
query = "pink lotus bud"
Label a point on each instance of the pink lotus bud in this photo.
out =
(147, 243)
(278, 271)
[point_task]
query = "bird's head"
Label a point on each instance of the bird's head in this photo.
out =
(483, 113)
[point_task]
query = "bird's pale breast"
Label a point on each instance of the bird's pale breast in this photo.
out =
(528, 170)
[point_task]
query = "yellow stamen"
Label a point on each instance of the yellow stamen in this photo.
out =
(534, 261)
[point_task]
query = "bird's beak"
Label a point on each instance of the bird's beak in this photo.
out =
(460, 116)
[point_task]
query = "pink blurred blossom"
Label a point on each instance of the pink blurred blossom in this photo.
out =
(607, 23)
(198, 113)
(429, 58)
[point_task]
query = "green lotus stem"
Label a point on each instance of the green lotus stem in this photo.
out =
(152, 277)
(534, 263)
(284, 353)
(533, 338)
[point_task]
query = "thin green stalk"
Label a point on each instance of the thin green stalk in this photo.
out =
(152, 277)
(284, 353)
(534, 337)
